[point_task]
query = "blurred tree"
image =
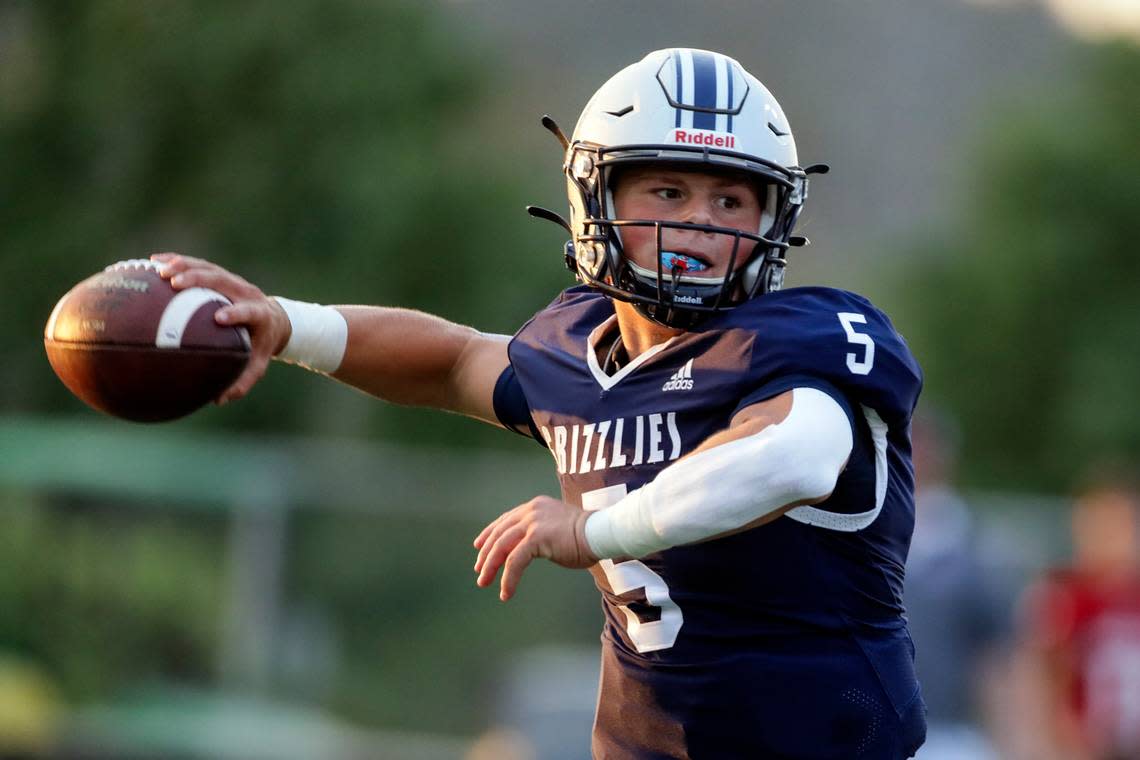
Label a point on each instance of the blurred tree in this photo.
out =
(106, 597)
(418, 644)
(1027, 317)
(318, 147)
(321, 149)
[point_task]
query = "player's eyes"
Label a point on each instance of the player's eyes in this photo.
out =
(730, 202)
(667, 193)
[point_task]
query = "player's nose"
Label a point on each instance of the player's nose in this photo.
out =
(697, 210)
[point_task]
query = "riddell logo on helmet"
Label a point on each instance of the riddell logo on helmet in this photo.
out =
(701, 137)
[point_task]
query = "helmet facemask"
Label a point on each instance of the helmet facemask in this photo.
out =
(668, 293)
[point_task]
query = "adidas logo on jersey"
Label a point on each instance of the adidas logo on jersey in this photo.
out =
(682, 379)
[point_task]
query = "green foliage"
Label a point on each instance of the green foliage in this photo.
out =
(107, 597)
(419, 641)
(322, 149)
(318, 147)
(1026, 318)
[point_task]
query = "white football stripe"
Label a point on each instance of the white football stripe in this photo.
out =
(176, 316)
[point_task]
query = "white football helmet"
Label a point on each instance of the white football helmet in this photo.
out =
(697, 109)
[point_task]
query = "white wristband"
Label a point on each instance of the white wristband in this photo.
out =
(319, 337)
(728, 486)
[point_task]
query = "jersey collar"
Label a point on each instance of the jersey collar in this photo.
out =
(609, 381)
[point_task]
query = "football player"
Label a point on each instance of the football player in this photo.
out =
(734, 458)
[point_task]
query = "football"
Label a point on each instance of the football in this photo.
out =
(128, 344)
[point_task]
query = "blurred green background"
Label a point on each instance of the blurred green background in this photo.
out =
(983, 192)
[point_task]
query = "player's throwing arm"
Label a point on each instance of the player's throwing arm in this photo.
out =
(400, 355)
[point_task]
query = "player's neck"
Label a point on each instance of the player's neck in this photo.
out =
(638, 333)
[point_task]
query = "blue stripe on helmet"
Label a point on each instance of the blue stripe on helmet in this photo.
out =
(677, 92)
(731, 76)
(704, 91)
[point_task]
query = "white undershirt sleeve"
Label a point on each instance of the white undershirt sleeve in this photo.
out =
(728, 486)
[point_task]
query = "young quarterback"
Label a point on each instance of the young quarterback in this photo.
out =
(734, 458)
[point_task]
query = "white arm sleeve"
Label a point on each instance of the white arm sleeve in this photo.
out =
(730, 485)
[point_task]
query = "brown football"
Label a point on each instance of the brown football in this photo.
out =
(128, 344)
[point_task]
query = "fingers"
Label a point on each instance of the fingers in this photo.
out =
(513, 540)
(508, 545)
(254, 370)
(491, 534)
(249, 307)
(483, 534)
(176, 262)
(509, 541)
(241, 313)
(214, 278)
(517, 561)
(190, 272)
(265, 337)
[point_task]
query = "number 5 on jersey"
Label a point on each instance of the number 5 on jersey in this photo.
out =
(857, 366)
(631, 576)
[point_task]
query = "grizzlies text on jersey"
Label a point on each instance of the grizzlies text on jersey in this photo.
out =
(786, 640)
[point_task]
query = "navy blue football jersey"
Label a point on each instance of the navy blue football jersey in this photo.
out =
(786, 640)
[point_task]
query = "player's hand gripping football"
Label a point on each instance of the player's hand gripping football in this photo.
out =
(266, 321)
(542, 527)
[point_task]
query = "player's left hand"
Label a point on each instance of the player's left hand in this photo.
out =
(542, 527)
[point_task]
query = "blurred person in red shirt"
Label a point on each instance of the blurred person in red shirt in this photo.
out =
(1082, 642)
